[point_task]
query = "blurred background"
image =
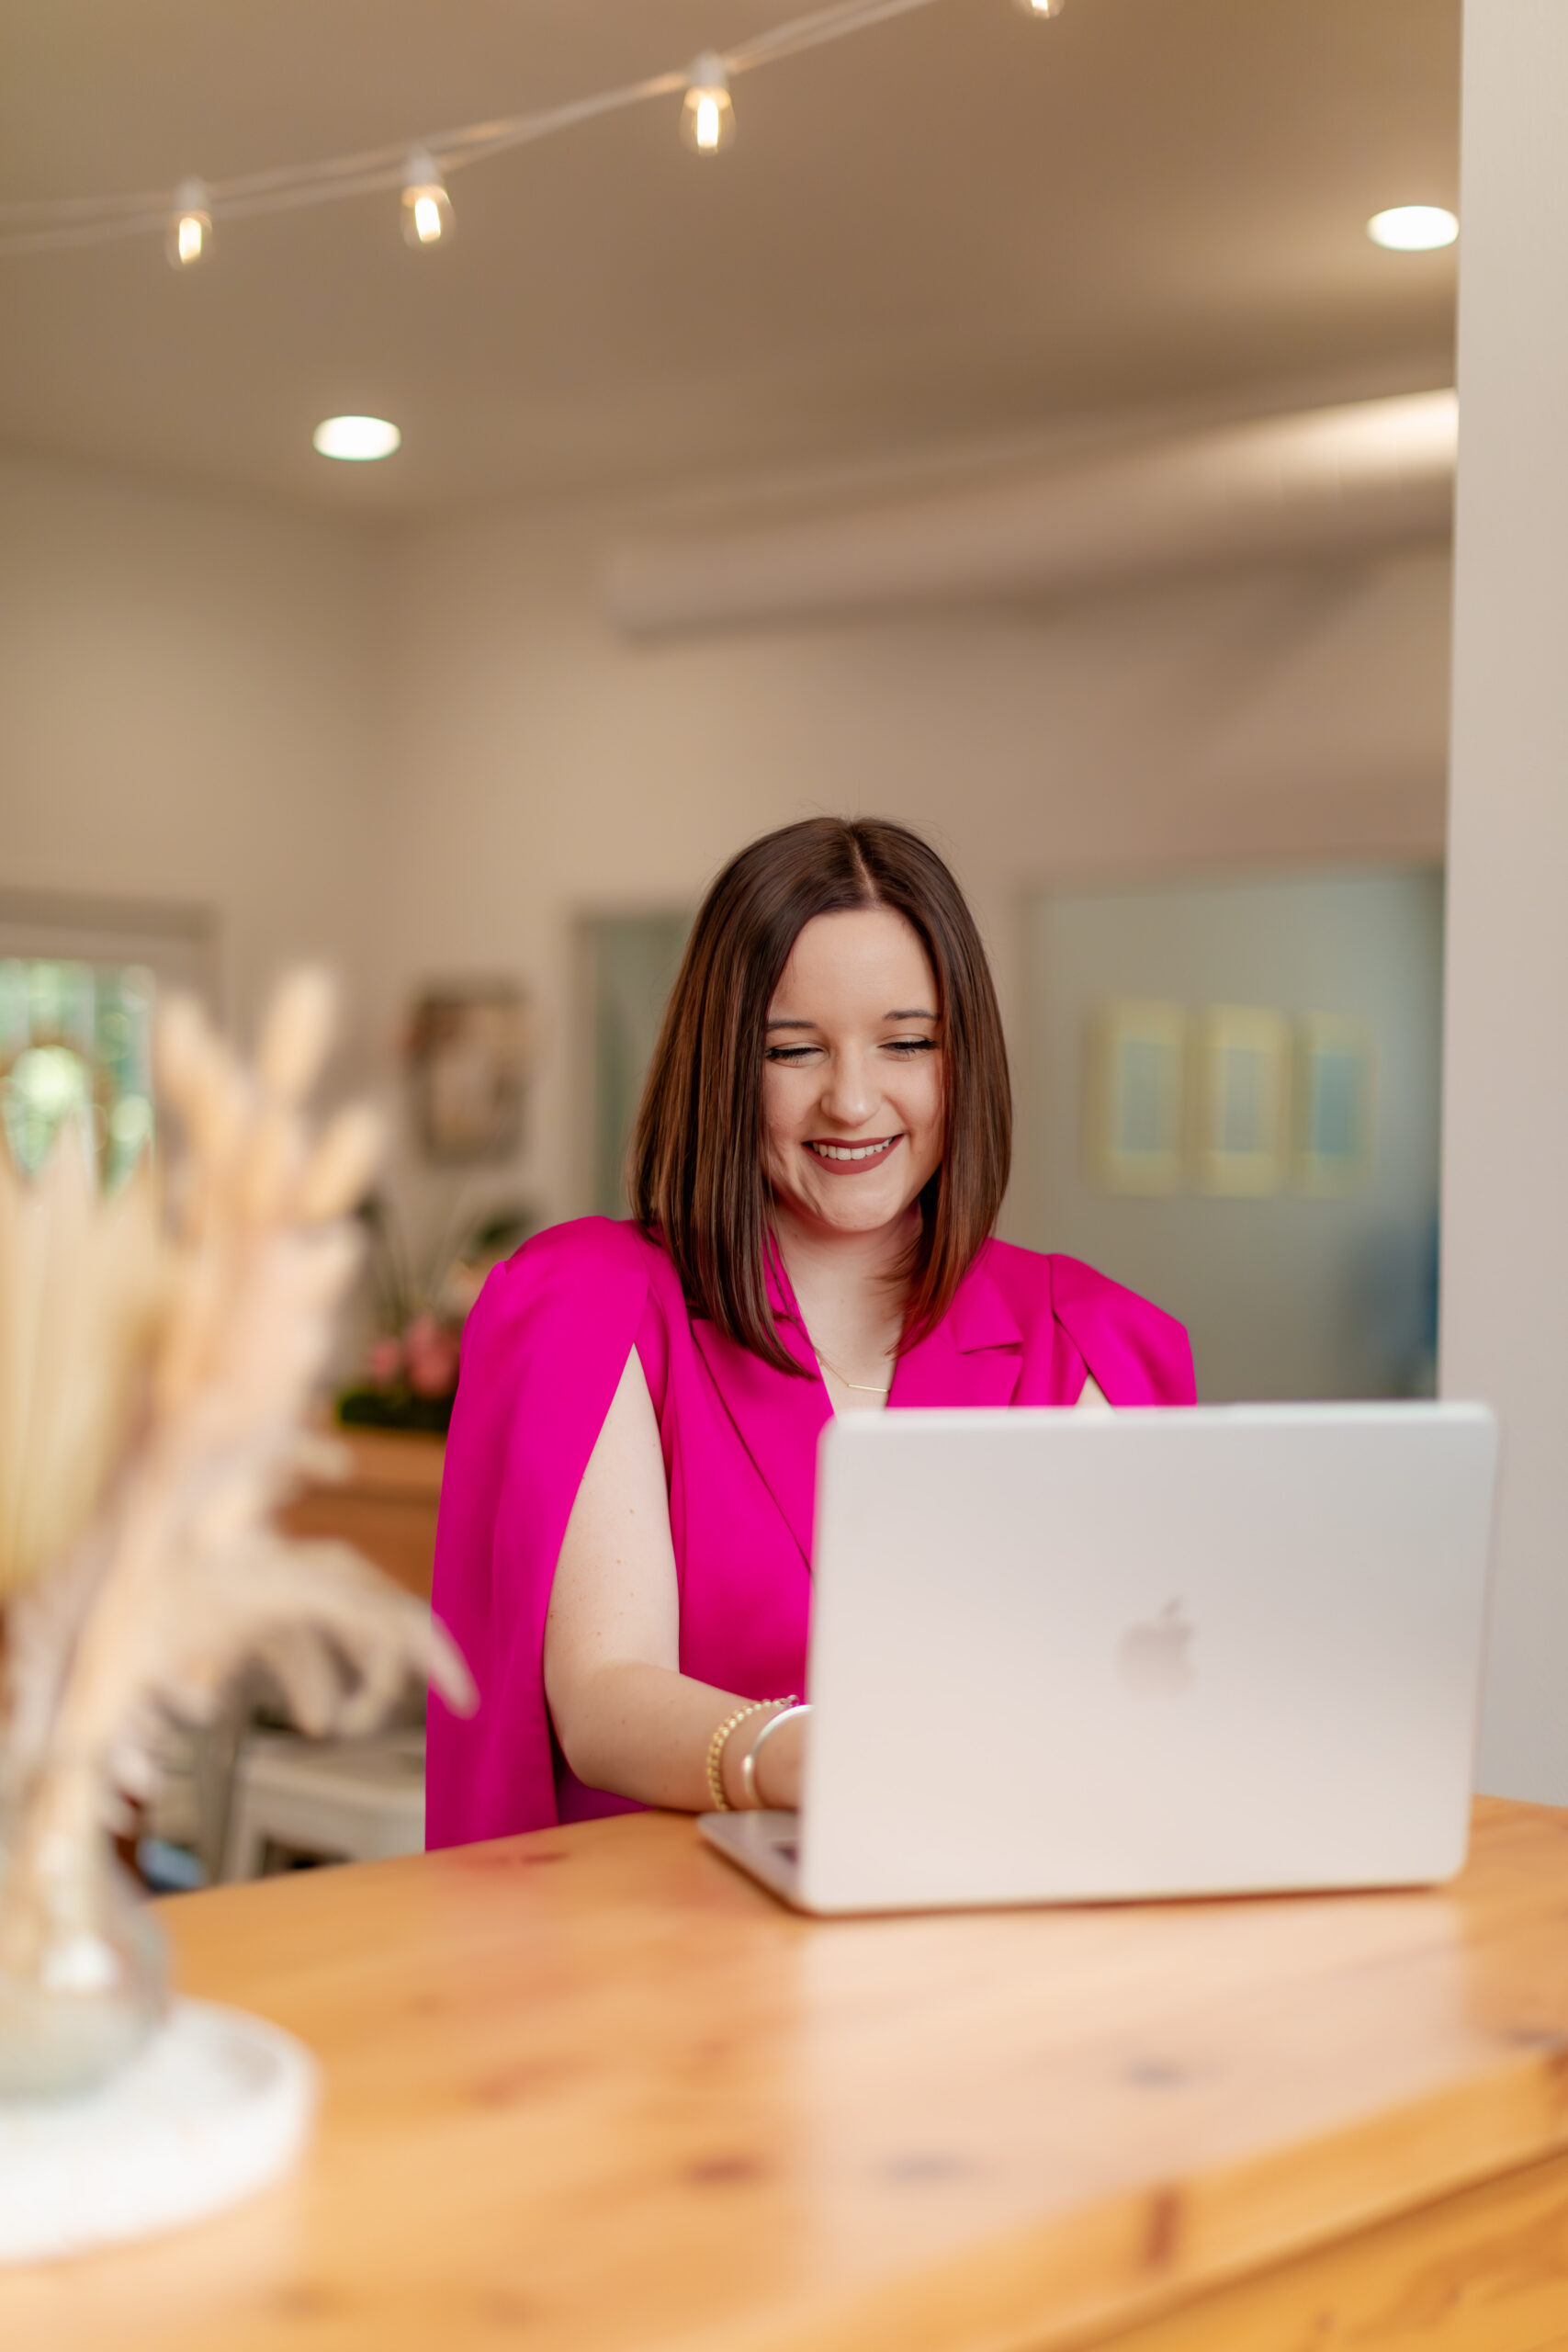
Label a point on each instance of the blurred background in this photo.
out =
(1014, 429)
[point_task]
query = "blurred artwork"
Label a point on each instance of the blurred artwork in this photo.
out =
(1233, 1099)
(469, 1052)
(1136, 1108)
(1332, 1123)
(1243, 1098)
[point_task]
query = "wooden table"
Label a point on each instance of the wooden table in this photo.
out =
(590, 2090)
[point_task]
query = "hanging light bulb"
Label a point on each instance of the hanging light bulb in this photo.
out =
(708, 117)
(190, 225)
(1042, 7)
(427, 207)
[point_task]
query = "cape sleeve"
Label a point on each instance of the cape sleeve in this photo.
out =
(543, 1351)
(1138, 1354)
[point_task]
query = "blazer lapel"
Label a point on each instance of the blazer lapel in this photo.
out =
(973, 1357)
(777, 1416)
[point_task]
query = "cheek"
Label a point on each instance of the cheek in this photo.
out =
(778, 1112)
(928, 1112)
(924, 1095)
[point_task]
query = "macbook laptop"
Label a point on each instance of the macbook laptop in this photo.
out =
(1073, 1657)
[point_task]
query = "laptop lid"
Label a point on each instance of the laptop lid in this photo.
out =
(1060, 1655)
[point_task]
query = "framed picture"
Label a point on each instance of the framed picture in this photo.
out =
(1136, 1069)
(470, 1050)
(1333, 1120)
(1244, 1100)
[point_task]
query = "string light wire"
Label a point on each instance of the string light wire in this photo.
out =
(53, 223)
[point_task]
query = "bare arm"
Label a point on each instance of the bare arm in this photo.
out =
(626, 1718)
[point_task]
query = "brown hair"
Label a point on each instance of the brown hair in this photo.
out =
(708, 1202)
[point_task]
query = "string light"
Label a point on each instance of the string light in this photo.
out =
(427, 207)
(190, 229)
(51, 224)
(708, 117)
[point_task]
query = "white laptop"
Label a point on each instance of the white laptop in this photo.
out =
(1078, 1657)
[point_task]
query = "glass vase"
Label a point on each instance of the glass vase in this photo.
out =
(83, 1968)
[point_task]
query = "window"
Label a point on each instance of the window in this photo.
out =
(78, 983)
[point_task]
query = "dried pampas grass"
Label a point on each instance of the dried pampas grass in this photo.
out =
(80, 1289)
(157, 1361)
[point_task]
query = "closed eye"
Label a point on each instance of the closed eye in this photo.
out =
(902, 1049)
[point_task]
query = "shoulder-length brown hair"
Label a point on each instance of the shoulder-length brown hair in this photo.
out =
(708, 1200)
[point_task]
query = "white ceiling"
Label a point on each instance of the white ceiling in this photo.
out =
(955, 225)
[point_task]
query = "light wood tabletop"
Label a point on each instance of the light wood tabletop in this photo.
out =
(591, 2089)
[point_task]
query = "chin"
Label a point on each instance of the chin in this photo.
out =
(860, 1217)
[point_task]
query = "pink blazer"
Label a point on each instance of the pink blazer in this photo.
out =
(543, 1351)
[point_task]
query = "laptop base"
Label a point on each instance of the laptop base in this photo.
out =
(766, 1845)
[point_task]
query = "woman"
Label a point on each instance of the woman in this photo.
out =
(624, 1544)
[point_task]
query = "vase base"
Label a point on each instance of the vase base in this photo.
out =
(217, 2105)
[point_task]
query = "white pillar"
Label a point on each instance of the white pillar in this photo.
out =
(1505, 1332)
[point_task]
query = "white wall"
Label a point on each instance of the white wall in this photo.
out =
(186, 693)
(1506, 1168)
(539, 767)
(426, 753)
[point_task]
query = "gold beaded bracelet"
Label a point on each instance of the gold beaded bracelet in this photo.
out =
(716, 1747)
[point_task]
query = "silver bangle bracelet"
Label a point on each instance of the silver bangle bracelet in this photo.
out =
(749, 1761)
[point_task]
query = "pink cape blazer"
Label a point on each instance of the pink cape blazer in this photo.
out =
(543, 1351)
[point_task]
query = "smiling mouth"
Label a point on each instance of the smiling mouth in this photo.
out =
(843, 1156)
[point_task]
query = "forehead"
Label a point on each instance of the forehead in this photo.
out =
(867, 959)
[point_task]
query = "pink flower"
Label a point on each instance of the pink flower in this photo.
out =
(430, 1352)
(385, 1361)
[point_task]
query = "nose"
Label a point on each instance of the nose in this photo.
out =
(849, 1095)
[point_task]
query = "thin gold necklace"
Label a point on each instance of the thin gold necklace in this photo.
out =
(861, 1387)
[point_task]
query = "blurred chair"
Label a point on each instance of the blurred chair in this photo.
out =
(188, 1811)
(360, 1800)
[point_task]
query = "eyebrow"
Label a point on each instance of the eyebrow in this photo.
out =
(914, 1013)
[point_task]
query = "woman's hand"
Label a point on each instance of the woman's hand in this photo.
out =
(780, 1767)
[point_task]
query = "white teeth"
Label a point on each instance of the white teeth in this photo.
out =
(851, 1152)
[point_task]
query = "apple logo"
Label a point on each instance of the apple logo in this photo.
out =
(1153, 1658)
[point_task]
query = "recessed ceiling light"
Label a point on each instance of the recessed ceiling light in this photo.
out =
(1412, 228)
(357, 437)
